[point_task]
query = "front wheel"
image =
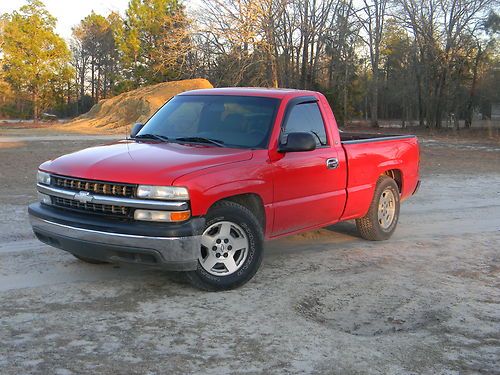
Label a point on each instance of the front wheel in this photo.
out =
(231, 248)
(380, 222)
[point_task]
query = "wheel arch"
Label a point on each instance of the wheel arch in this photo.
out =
(251, 201)
(396, 175)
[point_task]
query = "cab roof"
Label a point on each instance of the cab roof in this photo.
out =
(278, 93)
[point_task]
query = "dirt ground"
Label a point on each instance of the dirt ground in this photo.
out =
(324, 302)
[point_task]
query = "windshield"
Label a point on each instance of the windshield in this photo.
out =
(229, 121)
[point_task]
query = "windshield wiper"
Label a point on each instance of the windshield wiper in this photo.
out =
(160, 138)
(201, 140)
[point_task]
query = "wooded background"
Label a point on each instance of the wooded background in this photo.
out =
(430, 62)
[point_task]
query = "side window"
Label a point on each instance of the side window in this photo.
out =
(306, 117)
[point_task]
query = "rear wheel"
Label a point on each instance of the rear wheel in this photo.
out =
(382, 218)
(231, 248)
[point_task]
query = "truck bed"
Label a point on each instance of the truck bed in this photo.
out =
(368, 156)
(350, 138)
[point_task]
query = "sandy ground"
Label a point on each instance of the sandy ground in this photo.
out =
(324, 302)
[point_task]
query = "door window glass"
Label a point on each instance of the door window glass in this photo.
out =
(306, 117)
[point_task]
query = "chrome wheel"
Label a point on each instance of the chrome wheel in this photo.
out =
(224, 248)
(386, 208)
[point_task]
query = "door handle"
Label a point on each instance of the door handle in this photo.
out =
(332, 163)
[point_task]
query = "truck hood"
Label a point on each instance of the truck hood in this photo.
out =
(142, 163)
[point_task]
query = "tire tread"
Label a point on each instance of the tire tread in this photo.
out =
(368, 225)
(200, 283)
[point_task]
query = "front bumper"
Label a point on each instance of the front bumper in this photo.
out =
(172, 247)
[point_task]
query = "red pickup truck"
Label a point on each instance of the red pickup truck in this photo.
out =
(212, 174)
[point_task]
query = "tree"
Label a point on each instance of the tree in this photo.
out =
(95, 56)
(237, 35)
(154, 41)
(35, 59)
(441, 30)
(484, 50)
(342, 37)
(396, 84)
(373, 24)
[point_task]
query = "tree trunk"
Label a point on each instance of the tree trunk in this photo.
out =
(82, 88)
(286, 59)
(36, 110)
(305, 46)
(77, 95)
(105, 85)
(271, 56)
(472, 92)
(274, 72)
(346, 74)
(330, 74)
(420, 103)
(93, 80)
(312, 36)
(98, 88)
(366, 107)
(68, 94)
(374, 114)
(439, 100)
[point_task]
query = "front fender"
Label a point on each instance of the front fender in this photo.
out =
(214, 184)
(203, 200)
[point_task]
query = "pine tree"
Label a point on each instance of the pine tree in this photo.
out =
(35, 59)
(154, 41)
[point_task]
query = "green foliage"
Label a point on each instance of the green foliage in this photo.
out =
(398, 97)
(35, 59)
(95, 53)
(492, 23)
(153, 41)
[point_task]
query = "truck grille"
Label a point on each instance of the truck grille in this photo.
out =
(103, 209)
(95, 187)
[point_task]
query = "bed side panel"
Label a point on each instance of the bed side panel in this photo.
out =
(368, 160)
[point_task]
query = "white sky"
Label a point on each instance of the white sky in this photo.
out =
(70, 12)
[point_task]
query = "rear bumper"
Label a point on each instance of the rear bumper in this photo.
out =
(161, 246)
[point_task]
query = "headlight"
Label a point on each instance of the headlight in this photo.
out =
(168, 216)
(162, 192)
(43, 178)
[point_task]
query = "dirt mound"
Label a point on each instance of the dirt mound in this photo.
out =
(116, 114)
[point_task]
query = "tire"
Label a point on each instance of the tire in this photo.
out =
(231, 250)
(88, 260)
(382, 218)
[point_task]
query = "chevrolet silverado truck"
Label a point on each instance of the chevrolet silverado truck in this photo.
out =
(212, 174)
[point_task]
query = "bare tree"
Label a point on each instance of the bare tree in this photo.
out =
(440, 28)
(372, 18)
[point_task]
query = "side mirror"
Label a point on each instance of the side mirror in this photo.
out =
(298, 142)
(136, 129)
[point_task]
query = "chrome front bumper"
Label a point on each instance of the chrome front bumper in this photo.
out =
(173, 253)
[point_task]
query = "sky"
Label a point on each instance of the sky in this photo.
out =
(70, 12)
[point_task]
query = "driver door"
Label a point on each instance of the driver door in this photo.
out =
(307, 192)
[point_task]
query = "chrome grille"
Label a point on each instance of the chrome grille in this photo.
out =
(95, 187)
(103, 209)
